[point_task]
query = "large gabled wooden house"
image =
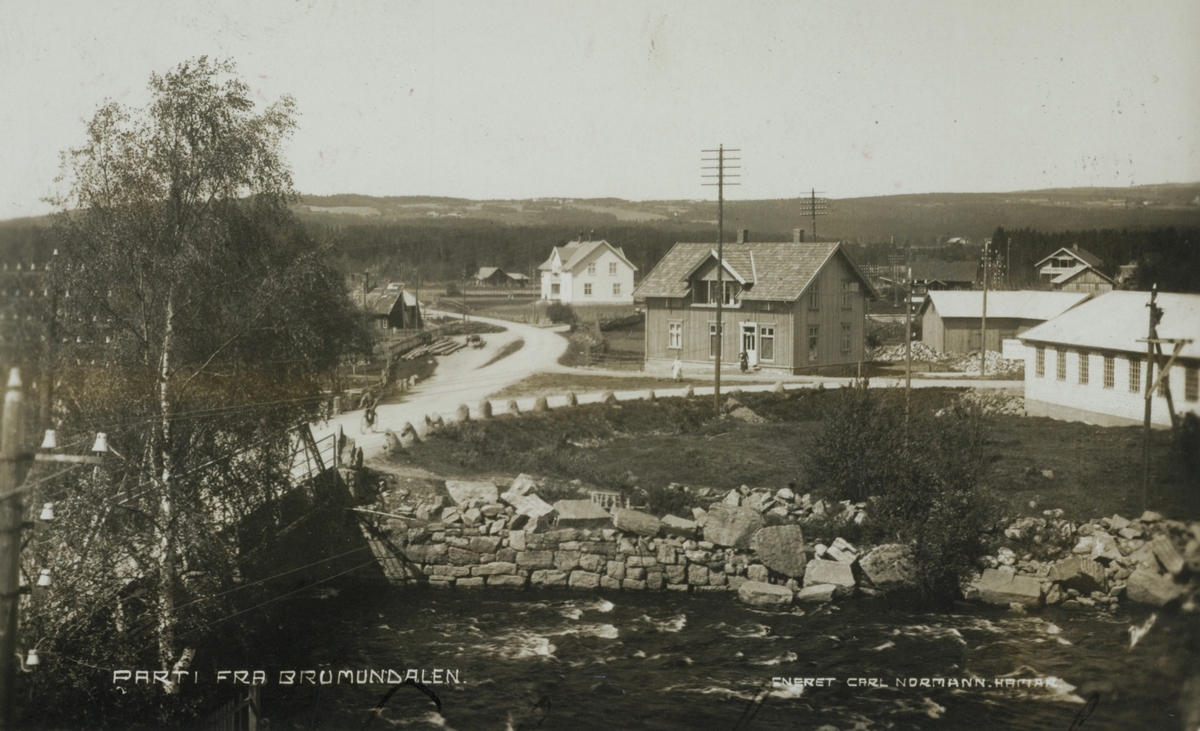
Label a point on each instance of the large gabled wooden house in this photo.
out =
(791, 306)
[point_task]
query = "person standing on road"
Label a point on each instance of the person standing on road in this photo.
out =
(745, 361)
(677, 370)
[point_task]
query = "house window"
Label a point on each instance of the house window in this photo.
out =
(1040, 363)
(587, 289)
(766, 343)
(845, 294)
(592, 269)
(612, 269)
(1110, 371)
(974, 338)
(713, 343)
(675, 335)
(617, 289)
(1191, 384)
(1083, 369)
(1135, 375)
(555, 288)
(845, 337)
(813, 339)
(814, 296)
(1061, 364)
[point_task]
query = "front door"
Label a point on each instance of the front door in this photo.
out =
(750, 343)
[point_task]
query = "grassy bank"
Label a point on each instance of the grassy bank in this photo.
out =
(1094, 471)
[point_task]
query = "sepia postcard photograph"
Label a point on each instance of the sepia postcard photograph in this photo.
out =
(734, 366)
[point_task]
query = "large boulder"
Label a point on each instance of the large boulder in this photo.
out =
(1005, 588)
(1079, 573)
(1105, 548)
(820, 571)
(889, 566)
(1167, 554)
(523, 485)
(1147, 586)
(819, 593)
(635, 521)
(731, 526)
(759, 594)
(781, 548)
(673, 525)
(581, 514)
(531, 506)
(462, 492)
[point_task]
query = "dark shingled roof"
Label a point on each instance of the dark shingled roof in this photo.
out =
(773, 271)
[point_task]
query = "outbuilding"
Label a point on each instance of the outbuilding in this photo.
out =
(1088, 364)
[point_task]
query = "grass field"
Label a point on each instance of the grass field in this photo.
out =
(1096, 471)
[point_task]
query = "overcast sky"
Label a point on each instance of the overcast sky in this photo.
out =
(591, 99)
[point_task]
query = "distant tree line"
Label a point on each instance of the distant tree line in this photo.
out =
(449, 250)
(452, 251)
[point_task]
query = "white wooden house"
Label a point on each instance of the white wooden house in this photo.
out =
(588, 272)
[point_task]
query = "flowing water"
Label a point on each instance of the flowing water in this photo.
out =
(551, 660)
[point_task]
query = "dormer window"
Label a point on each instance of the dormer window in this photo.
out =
(705, 292)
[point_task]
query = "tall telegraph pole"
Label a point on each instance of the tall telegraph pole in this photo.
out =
(816, 207)
(983, 321)
(720, 175)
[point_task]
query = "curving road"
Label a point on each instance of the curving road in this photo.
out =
(461, 378)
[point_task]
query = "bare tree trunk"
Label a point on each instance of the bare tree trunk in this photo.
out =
(165, 524)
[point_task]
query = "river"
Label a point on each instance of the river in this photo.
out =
(583, 661)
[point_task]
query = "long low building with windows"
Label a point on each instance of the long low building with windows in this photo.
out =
(1089, 363)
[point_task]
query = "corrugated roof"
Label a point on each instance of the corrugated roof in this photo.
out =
(381, 300)
(936, 270)
(1021, 305)
(775, 271)
(1115, 321)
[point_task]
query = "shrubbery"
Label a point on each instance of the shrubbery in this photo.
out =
(922, 471)
(560, 314)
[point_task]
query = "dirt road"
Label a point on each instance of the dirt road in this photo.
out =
(464, 377)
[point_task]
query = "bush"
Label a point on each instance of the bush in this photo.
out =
(561, 314)
(923, 473)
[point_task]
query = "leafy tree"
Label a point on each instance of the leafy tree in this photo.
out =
(922, 471)
(198, 321)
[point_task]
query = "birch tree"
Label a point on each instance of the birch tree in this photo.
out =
(198, 320)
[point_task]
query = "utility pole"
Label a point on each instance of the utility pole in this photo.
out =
(11, 521)
(464, 295)
(1156, 314)
(983, 323)
(816, 207)
(908, 330)
(720, 176)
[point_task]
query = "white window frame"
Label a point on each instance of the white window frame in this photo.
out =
(612, 269)
(766, 333)
(592, 269)
(675, 335)
(587, 289)
(616, 289)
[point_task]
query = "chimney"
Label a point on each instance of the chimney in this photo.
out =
(743, 235)
(797, 236)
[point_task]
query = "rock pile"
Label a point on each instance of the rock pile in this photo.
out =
(1095, 564)
(753, 541)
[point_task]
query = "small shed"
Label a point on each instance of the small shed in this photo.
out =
(392, 306)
